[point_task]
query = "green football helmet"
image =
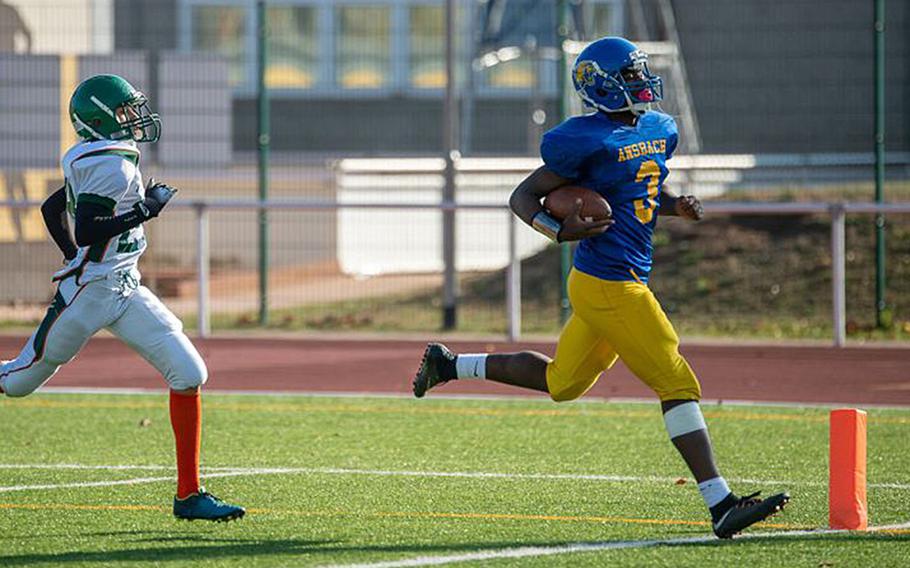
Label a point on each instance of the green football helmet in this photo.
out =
(108, 107)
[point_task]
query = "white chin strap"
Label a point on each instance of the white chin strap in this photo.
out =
(637, 109)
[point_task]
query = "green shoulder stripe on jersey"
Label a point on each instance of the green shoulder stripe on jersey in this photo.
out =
(130, 155)
(53, 312)
(105, 202)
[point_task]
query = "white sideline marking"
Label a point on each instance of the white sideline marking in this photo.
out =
(134, 391)
(242, 471)
(104, 467)
(536, 551)
(134, 481)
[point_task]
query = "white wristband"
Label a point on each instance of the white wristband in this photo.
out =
(546, 225)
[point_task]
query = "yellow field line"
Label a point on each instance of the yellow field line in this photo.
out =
(398, 514)
(570, 518)
(78, 507)
(435, 410)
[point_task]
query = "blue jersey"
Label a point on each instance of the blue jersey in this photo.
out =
(627, 166)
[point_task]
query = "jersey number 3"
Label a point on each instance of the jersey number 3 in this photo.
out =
(644, 208)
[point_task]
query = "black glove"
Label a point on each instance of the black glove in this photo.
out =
(157, 196)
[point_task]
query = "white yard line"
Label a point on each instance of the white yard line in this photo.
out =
(538, 551)
(76, 466)
(244, 471)
(122, 467)
(108, 483)
(131, 481)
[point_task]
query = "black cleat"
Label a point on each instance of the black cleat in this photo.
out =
(746, 511)
(436, 368)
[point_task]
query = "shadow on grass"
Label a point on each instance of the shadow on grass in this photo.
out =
(882, 536)
(236, 549)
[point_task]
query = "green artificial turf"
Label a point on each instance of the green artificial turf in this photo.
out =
(336, 506)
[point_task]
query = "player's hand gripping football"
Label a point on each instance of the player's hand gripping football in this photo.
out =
(574, 228)
(689, 207)
(157, 195)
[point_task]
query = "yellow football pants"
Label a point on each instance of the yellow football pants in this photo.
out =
(618, 319)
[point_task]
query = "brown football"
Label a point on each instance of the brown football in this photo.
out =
(561, 202)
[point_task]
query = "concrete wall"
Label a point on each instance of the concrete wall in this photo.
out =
(793, 76)
(376, 126)
(194, 100)
(190, 91)
(30, 124)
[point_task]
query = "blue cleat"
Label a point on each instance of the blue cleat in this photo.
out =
(206, 507)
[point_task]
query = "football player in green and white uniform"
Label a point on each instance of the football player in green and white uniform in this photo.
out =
(106, 202)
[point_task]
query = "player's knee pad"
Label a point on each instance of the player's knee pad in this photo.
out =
(180, 362)
(678, 383)
(26, 381)
(566, 394)
(185, 369)
(563, 390)
(189, 376)
(683, 390)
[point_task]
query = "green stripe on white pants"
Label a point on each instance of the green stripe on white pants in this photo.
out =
(129, 311)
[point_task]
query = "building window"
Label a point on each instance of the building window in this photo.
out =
(513, 74)
(293, 47)
(362, 48)
(325, 46)
(222, 30)
(427, 69)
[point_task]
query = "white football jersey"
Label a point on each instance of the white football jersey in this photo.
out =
(104, 172)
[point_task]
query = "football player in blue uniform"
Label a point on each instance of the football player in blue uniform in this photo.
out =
(620, 151)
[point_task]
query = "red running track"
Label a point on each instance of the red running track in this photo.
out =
(855, 375)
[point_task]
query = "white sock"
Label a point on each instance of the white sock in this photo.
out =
(471, 366)
(713, 490)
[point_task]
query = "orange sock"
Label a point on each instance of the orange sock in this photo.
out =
(186, 420)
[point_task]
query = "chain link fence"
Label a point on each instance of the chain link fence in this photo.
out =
(765, 89)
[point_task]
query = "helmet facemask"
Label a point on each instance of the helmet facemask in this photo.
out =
(138, 120)
(640, 87)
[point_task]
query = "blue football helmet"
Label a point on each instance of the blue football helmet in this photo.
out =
(612, 75)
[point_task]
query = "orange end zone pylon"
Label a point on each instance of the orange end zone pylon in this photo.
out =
(847, 482)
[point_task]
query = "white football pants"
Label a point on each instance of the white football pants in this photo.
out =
(119, 304)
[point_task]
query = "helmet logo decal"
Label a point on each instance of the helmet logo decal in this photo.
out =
(101, 105)
(79, 124)
(585, 72)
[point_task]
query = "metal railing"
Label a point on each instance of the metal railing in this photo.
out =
(836, 211)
